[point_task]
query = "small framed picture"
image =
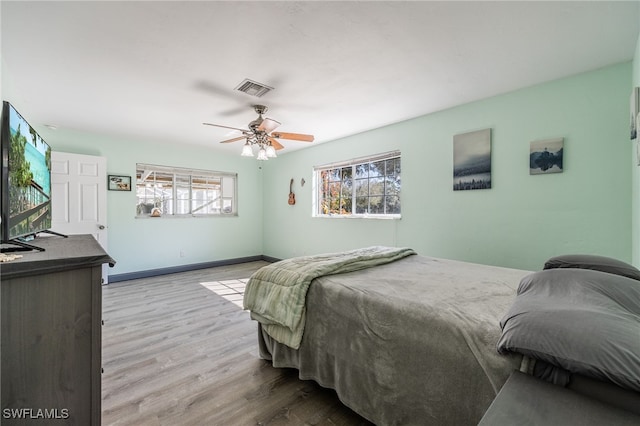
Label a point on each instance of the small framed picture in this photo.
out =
(634, 109)
(546, 156)
(119, 183)
(638, 140)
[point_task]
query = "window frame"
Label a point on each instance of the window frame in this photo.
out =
(352, 192)
(182, 181)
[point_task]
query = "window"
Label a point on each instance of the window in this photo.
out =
(176, 191)
(362, 187)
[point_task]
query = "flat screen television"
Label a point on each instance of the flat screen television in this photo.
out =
(26, 180)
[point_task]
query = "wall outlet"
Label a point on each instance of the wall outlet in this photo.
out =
(182, 254)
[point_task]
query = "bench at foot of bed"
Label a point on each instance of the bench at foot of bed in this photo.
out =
(526, 400)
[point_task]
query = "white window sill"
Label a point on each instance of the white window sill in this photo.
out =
(184, 216)
(359, 216)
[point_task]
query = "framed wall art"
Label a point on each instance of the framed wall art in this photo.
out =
(638, 140)
(634, 109)
(119, 183)
(472, 160)
(546, 156)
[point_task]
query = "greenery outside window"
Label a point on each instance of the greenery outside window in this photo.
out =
(174, 191)
(364, 187)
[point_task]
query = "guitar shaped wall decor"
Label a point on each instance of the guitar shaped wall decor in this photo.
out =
(292, 196)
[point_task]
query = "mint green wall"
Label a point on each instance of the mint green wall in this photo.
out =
(522, 220)
(635, 82)
(145, 244)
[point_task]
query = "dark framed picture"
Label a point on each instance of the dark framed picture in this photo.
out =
(119, 183)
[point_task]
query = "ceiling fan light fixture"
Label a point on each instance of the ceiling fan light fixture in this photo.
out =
(247, 151)
(260, 134)
(262, 155)
(271, 152)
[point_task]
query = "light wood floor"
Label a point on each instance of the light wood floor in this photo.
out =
(178, 350)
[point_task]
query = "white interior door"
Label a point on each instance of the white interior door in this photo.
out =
(79, 197)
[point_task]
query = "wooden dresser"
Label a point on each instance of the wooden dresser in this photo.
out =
(51, 322)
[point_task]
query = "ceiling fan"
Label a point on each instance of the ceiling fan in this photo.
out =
(261, 133)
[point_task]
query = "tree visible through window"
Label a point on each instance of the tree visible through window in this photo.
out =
(184, 192)
(369, 186)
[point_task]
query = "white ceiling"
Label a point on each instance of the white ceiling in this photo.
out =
(158, 70)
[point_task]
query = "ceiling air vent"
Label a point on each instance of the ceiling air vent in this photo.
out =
(253, 88)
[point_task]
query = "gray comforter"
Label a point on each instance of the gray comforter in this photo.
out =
(407, 343)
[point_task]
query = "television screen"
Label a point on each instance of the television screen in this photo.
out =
(26, 177)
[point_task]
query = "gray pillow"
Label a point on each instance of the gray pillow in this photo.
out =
(583, 321)
(596, 263)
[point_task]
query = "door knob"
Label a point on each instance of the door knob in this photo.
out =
(101, 227)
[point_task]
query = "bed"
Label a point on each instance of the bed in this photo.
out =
(411, 339)
(407, 342)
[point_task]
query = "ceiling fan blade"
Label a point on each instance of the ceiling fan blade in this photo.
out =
(277, 145)
(234, 139)
(293, 136)
(226, 127)
(268, 125)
